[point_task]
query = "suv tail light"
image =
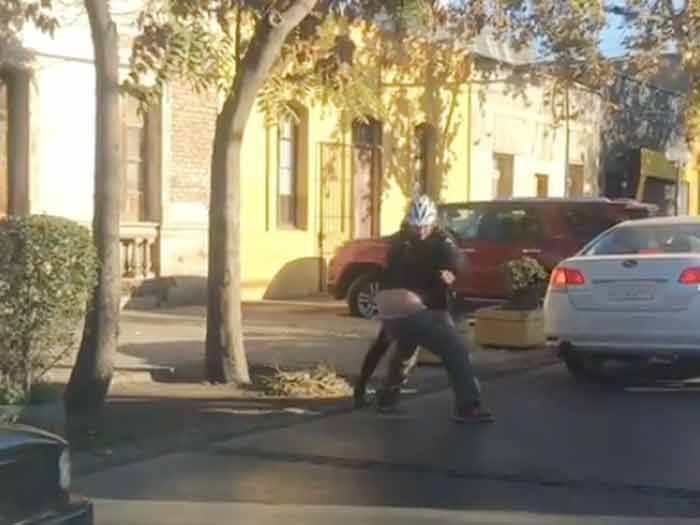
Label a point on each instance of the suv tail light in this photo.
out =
(563, 277)
(690, 276)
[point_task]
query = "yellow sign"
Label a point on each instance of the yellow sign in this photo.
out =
(654, 164)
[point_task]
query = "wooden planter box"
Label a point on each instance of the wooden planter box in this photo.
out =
(496, 327)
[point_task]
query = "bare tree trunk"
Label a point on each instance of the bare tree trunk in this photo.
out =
(28, 372)
(567, 139)
(92, 373)
(225, 355)
(693, 119)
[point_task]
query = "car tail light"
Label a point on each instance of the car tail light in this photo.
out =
(690, 276)
(563, 277)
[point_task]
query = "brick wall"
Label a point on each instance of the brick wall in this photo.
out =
(193, 120)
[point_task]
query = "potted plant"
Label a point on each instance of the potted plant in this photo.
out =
(527, 282)
(519, 322)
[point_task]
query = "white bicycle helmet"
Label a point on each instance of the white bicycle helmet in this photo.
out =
(422, 212)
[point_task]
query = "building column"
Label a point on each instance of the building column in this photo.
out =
(160, 193)
(153, 146)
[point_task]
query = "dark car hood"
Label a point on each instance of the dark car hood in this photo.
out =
(12, 436)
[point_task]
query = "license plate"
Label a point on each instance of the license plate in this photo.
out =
(631, 293)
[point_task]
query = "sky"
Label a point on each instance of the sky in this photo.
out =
(612, 37)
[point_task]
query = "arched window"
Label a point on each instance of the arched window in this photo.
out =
(287, 172)
(367, 133)
(292, 169)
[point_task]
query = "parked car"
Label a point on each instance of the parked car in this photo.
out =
(35, 480)
(631, 295)
(489, 234)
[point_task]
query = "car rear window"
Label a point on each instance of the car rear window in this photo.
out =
(648, 239)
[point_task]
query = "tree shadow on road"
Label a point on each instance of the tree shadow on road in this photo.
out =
(143, 420)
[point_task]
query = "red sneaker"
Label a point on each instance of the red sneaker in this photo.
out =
(473, 414)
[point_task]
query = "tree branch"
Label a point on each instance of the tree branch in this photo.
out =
(260, 55)
(676, 21)
(622, 11)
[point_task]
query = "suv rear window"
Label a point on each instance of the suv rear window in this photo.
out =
(587, 222)
(462, 222)
(646, 239)
(493, 223)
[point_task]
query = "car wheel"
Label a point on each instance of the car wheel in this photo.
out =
(361, 296)
(591, 369)
(575, 366)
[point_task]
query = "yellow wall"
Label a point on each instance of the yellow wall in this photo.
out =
(280, 263)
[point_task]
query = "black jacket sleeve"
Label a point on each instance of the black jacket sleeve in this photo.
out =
(447, 254)
(392, 275)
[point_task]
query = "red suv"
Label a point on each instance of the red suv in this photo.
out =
(489, 234)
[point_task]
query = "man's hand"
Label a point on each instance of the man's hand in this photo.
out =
(447, 277)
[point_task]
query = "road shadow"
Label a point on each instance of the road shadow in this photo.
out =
(414, 460)
(136, 424)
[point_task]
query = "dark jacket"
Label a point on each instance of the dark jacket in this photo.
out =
(416, 264)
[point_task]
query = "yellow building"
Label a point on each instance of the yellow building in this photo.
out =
(307, 184)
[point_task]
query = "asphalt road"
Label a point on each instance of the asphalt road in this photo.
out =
(559, 452)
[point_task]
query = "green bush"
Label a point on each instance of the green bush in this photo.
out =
(526, 273)
(527, 281)
(48, 270)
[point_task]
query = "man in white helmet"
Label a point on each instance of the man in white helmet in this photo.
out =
(405, 245)
(413, 305)
(405, 242)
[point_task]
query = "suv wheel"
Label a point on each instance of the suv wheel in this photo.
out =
(361, 295)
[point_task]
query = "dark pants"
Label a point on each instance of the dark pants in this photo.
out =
(380, 346)
(435, 331)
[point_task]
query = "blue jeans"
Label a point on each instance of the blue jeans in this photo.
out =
(435, 331)
(379, 348)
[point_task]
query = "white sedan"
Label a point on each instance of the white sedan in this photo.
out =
(632, 294)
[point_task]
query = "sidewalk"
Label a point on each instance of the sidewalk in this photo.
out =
(285, 334)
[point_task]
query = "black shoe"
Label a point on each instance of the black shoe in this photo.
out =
(388, 400)
(360, 396)
(387, 408)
